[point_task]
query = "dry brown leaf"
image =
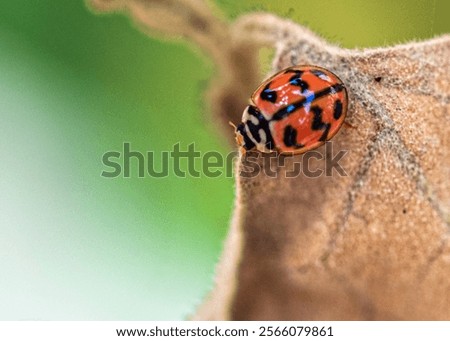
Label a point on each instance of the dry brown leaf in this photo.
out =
(370, 245)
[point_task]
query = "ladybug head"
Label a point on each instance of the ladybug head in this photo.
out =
(242, 138)
(242, 135)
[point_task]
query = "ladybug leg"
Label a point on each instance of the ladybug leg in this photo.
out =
(348, 125)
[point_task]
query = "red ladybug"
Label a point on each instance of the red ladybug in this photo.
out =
(296, 110)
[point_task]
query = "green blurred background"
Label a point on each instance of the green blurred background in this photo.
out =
(75, 245)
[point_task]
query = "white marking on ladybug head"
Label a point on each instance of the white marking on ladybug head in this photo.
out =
(254, 120)
(245, 115)
(262, 136)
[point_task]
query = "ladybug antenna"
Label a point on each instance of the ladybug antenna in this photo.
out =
(232, 124)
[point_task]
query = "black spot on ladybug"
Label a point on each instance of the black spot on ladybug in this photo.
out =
(290, 137)
(318, 124)
(337, 109)
(268, 94)
(404, 211)
(297, 81)
(317, 120)
(378, 79)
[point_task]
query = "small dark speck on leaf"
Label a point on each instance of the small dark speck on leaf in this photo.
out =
(404, 211)
(378, 79)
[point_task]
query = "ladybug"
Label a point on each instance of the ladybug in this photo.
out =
(296, 110)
